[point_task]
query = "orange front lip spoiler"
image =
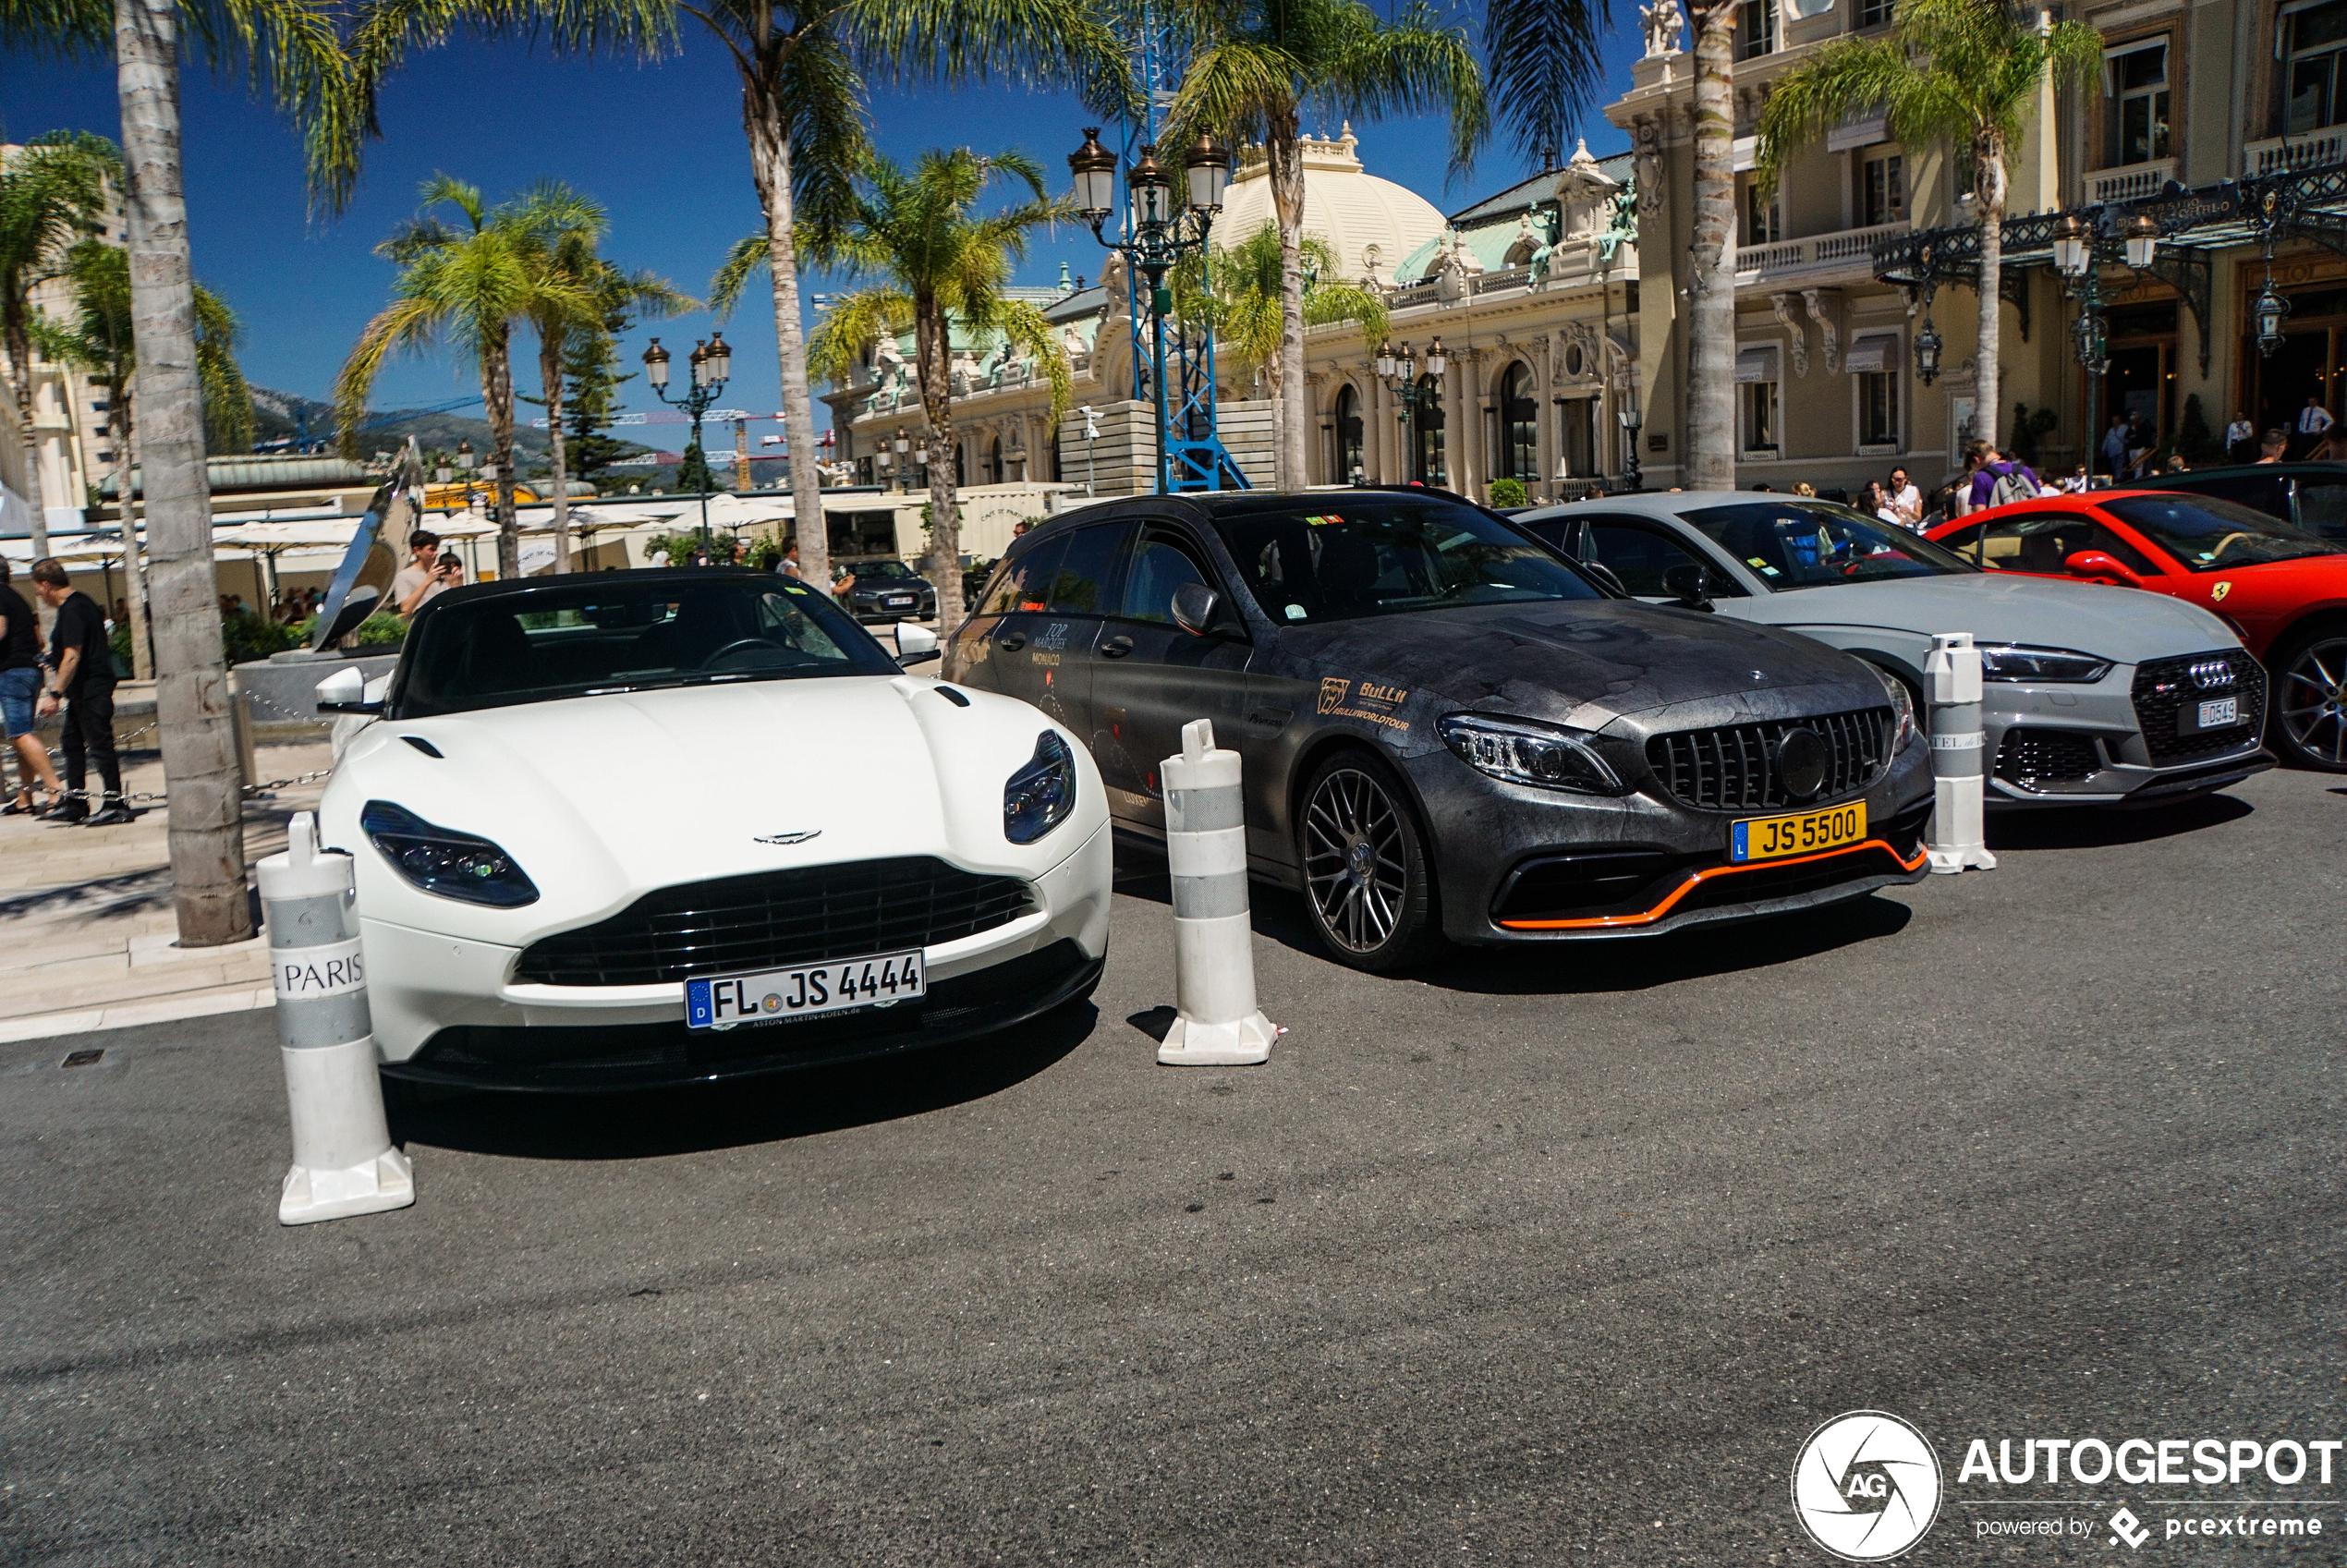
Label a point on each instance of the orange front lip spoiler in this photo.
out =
(1697, 879)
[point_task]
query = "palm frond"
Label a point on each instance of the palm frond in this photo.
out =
(1544, 69)
(743, 260)
(854, 324)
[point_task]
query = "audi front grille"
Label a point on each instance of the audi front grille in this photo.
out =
(2164, 686)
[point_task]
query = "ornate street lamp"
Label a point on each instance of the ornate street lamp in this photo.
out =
(1631, 420)
(2269, 310)
(1402, 377)
(712, 363)
(2142, 241)
(1927, 347)
(2073, 246)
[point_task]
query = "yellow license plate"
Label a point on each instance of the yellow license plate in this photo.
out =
(1774, 838)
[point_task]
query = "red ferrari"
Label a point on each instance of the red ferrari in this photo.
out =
(2283, 589)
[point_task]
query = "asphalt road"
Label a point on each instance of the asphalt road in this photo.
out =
(1545, 1258)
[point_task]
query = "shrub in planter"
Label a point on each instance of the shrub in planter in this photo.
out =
(1506, 492)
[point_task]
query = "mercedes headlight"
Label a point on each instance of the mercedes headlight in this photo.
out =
(1524, 752)
(2011, 661)
(441, 860)
(1902, 708)
(1039, 797)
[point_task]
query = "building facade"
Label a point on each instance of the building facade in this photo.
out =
(72, 440)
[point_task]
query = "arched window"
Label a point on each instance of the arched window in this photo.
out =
(994, 461)
(1427, 420)
(1348, 437)
(1519, 425)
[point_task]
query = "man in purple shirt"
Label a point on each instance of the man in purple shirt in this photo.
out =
(2018, 481)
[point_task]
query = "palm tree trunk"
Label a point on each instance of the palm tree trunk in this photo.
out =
(1712, 282)
(20, 379)
(200, 765)
(769, 160)
(930, 349)
(550, 370)
(497, 390)
(1287, 160)
(143, 657)
(1986, 385)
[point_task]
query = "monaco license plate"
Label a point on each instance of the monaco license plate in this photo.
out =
(777, 996)
(1774, 838)
(2217, 714)
(899, 601)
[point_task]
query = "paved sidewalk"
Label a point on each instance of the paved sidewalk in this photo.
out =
(88, 939)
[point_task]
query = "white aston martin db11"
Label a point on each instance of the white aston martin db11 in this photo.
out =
(650, 827)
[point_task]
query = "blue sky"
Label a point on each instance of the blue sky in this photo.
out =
(661, 145)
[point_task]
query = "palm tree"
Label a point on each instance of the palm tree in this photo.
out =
(1712, 282)
(97, 339)
(1240, 297)
(469, 283)
(52, 195)
(1543, 66)
(1258, 65)
(938, 265)
(1966, 71)
(564, 259)
(802, 65)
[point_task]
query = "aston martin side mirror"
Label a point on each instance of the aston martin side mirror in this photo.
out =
(345, 691)
(2100, 563)
(914, 645)
(1194, 604)
(1690, 584)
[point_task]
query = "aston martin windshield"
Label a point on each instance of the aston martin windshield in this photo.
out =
(2215, 536)
(1355, 554)
(1810, 544)
(624, 632)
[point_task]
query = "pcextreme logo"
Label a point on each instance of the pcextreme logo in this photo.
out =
(1867, 1486)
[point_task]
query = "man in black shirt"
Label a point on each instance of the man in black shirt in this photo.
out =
(19, 690)
(81, 674)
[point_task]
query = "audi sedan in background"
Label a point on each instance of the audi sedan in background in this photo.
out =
(1449, 731)
(2081, 694)
(2283, 589)
(887, 590)
(865, 861)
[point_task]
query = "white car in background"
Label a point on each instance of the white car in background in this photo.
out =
(626, 829)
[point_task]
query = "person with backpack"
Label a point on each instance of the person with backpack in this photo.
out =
(1997, 482)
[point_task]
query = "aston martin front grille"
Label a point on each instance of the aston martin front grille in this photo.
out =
(771, 920)
(2164, 686)
(1733, 768)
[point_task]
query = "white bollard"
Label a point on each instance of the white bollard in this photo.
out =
(343, 1161)
(1219, 1024)
(1956, 840)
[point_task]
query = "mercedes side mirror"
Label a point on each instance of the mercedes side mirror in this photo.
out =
(345, 691)
(914, 645)
(2100, 563)
(1194, 604)
(1690, 584)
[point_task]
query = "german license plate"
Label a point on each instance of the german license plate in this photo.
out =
(2217, 714)
(1774, 838)
(777, 996)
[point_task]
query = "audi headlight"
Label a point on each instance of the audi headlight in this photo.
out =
(1039, 797)
(1902, 708)
(441, 861)
(1524, 752)
(2011, 661)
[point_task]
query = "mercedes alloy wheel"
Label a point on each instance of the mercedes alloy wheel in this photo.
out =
(1365, 865)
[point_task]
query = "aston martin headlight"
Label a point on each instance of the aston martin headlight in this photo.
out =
(1902, 708)
(1524, 752)
(1039, 797)
(441, 860)
(2011, 661)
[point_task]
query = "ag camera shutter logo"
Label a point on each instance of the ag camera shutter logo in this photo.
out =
(1867, 1486)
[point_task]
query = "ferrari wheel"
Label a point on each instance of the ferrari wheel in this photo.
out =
(1365, 865)
(2310, 702)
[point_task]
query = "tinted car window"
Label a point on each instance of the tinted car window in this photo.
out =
(1386, 556)
(1024, 582)
(1160, 566)
(2268, 493)
(2215, 536)
(891, 567)
(1640, 556)
(1084, 583)
(2042, 542)
(2322, 507)
(601, 636)
(1807, 543)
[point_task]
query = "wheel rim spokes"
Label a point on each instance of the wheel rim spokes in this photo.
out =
(1353, 862)
(2306, 724)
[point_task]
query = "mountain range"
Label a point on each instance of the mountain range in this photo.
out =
(283, 416)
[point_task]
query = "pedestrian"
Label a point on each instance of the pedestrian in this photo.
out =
(790, 560)
(2114, 445)
(2240, 439)
(2270, 449)
(81, 679)
(1802, 487)
(1997, 482)
(2314, 421)
(19, 690)
(423, 579)
(1906, 499)
(2176, 464)
(1595, 492)
(2078, 483)
(2140, 441)
(1876, 501)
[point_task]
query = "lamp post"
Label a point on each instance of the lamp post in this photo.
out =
(713, 363)
(1158, 233)
(1401, 373)
(1633, 478)
(2080, 246)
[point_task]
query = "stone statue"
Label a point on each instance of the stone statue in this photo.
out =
(1661, 20)
(1544, 229)
(1072, 344)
